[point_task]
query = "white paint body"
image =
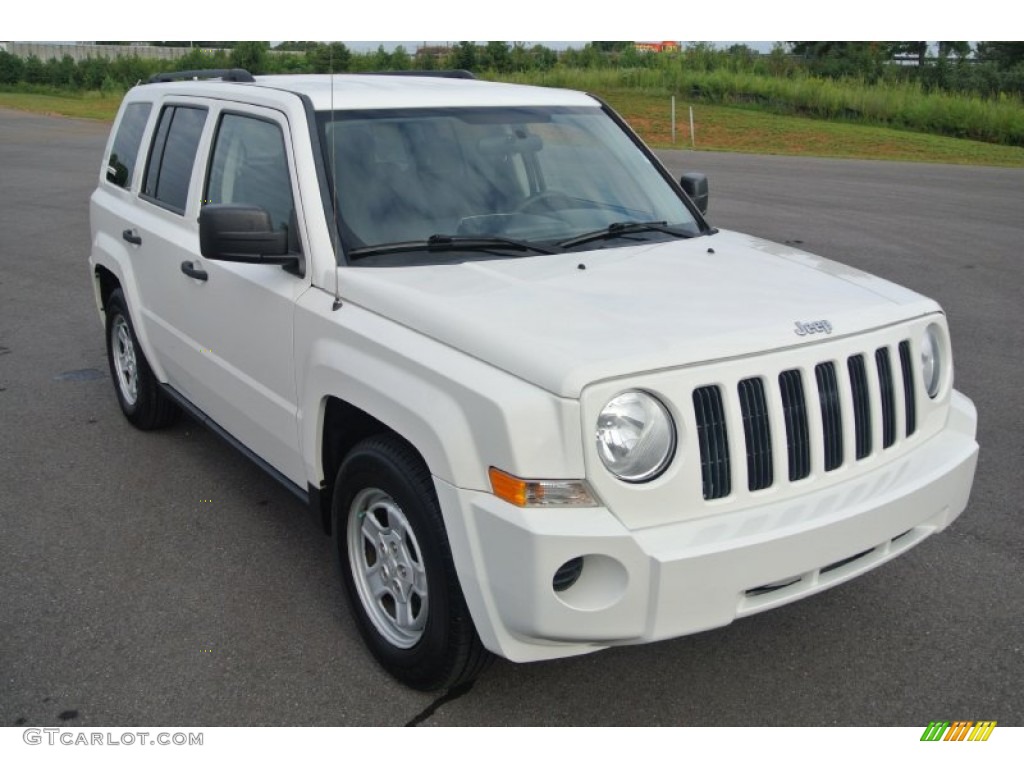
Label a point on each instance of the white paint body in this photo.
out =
(507, 364)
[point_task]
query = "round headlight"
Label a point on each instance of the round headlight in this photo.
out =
(931, 360)
(636, 436)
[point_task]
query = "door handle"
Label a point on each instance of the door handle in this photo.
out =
(193, 271)
(131, 237)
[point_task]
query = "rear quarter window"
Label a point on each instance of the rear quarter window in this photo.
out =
(125, 151)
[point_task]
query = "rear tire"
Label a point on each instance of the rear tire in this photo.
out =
(142, 400)
(396, 564)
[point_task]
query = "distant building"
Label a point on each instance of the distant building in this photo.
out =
(671, 46)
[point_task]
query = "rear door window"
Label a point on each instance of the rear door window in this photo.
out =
(173, 155)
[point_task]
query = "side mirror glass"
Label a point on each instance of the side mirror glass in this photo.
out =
(695, 185)
(234, 232)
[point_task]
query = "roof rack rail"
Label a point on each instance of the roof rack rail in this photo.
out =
(229, 75)
(454, 74)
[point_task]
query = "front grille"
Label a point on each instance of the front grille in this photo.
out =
(831, 414)
(908, 387)
(794, 409)
(861, 404)
(714, 442)
(758, 434)
(888, 399)
(812, 433)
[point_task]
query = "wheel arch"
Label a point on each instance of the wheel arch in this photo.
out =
(109, 274)
(343, 426)
(460, 415)
(106, 282)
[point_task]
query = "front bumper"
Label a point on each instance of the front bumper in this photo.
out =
(676, 579)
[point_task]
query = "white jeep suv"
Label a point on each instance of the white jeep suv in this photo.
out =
(541, 405)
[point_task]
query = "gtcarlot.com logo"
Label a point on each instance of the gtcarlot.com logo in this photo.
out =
(75, 738)
(959, 730)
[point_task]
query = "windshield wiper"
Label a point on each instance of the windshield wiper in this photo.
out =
(618, 228)
(436, 243)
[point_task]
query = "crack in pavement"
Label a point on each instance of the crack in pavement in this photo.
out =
(450, 695)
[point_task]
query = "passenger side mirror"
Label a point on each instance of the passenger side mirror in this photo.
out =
(242, 233)
(695, 185)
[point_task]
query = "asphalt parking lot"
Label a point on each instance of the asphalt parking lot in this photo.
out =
(160, 578)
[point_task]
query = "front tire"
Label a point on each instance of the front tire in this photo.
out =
(396, 564)
(142, 400)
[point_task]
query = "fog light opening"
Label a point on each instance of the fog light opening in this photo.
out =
(590, 583)
(567, 574)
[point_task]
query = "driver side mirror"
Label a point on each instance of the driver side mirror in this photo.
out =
(695, 185)
(242, 233)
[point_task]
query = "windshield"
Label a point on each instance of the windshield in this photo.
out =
(540, 176)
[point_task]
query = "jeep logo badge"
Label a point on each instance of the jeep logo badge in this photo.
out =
(815, 326)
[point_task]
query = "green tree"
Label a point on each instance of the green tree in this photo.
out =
(379, 60)
(296, 45)
(1006, 55)
(497, 56)
(591, 56)
(251, 55)
(400, 58)
(543, 58)
(960, 49)
(630, 58)
(335, 57)
(464, 55)
(779, 63)
(425, 59)
(12, 70)
(91, 73)
(587, 57)
(837, 58)
(915, 48)
(35, 70)
(61, 73)
(519, 58)
(197, 58)
(612, 46)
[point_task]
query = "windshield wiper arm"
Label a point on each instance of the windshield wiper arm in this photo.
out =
(618, 228)
(436, 243)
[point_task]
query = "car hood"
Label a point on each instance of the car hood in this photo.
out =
(567, 320)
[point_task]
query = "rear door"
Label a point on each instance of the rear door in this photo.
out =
(163, 233)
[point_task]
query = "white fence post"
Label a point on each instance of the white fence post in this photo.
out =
(673, 119)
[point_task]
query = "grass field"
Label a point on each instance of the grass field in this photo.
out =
(718, 128)
(91, 104)
(735, 129)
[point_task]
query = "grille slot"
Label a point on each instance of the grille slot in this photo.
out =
(888, 398)
(767, 589)
(758, 434)
(861, 404)
(714, 442)
(846, 561)
(794, 409)
(831, 418)
(908, 387)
